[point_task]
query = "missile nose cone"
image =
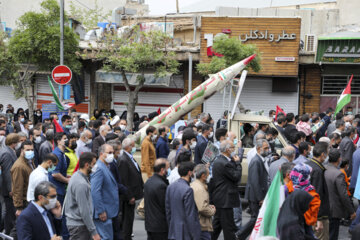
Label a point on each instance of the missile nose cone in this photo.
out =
(249, 59)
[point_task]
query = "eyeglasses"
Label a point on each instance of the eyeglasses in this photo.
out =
(109, 152)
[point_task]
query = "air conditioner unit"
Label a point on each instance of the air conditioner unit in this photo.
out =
(310, 43)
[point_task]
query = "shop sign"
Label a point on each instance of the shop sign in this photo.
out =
(338, 51)
(285, 59)
(267, 35)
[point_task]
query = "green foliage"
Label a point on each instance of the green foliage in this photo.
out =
(89, 17)
(37, 39)
(138, 52)
(233, 51)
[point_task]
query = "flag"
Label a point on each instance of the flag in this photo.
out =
(345, 97)
(159, 111)
(58, 128)
(56, 98)
(266, 221)
(278, 109)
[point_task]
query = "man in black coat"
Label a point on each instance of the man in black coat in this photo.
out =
(100, 140)
(317, 179)
(257, 185)
(130, 175)
(223, 190)
(154, 195)
(347, 148)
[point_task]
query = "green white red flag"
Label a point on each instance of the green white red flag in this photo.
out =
(58, 103)
(345, 97)
(266, 222)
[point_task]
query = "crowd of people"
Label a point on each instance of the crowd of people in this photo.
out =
(80, 178)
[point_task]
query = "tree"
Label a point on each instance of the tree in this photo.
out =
(36, 46)
(233, 51)
(138, 52)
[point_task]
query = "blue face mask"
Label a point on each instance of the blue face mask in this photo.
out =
(235, 141)
(168, 135)
(51, 169)
(29, 155)
(68, 126)
(168, 172)
(133, 150)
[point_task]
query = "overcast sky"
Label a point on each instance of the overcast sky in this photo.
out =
(161, 7)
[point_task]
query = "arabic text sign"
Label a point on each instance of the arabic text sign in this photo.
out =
(267, 35)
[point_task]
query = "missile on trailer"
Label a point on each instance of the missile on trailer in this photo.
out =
(196, 97)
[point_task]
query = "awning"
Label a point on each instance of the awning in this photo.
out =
(103, 76)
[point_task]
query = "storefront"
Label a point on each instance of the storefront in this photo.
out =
(338, 56)
(278, 42)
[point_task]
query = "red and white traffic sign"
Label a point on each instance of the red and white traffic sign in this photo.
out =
(61, 74)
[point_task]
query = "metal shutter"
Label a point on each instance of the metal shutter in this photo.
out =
(7, 97)
(44, 94)
(150, 99)
(257, 95)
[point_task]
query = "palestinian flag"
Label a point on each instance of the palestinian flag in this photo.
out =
(267, 219)
(59, 104)
(345, 97)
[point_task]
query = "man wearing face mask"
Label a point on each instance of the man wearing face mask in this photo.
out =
(201, 143)
(320, 153)
(47, 146)
(162, 146)
(66, 124)
(22, 138)
(78, 202)
(148, 153)
(104, 192)
(41, 220)
(40, 174)
(130, 174)
(20, 173)
(226, 172)
(70, 154)
(7, 159)
(257, 185)
(123, 124)
(288, 155)
(83, 144)
(2, 137)
(35, 137)
(188, 143)
(154, 195)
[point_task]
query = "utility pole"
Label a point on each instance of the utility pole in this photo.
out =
(61, 43)
(177, 6)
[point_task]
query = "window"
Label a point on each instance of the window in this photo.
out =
(334, 85)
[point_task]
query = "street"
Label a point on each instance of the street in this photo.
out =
(140, 233)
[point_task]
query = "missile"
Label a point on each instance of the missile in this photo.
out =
(196, 97)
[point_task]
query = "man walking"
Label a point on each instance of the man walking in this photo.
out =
(288, 155)
(224, 191)
(162, 147)
(154, 195)
(201, 144)
(78, 202)
(181, 211)
(104, 192)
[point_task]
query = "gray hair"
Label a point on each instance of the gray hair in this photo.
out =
(127, 142)
(103, 147)
(224, 145)
(288, 151)
(204, 115)
(260, 142)
(103, 127)
(22, 134)
(43, 188)
(114, 143)
(199, 170)
(259, 136)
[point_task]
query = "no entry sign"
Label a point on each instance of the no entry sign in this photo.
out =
(61, 74)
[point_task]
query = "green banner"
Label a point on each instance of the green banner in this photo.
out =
(338, 51)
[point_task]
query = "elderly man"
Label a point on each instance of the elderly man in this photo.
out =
(202, 200)
(104, 192)
(130, 174)
(257, 185)
(288, 155)
(83, 143)
(226, 173)
(101, 139)
(203, 118)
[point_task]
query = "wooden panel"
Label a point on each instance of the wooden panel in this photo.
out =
(269, 50)
(310, 83)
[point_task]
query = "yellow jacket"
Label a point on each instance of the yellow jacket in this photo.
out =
(148, 156)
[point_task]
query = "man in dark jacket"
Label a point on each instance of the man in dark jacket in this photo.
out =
(223, 191)
(317, 178)
(154, 195)
(340, 203)
(100, 140)
(162, 147)
(7, 160)
(181, 211)
(130, 175)
(201, 144)
(347, 148)
(257, 185)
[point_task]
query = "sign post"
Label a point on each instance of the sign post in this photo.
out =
(61, 74)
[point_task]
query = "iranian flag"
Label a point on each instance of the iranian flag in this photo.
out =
(61, 106)
(345, 97)
(267, 219)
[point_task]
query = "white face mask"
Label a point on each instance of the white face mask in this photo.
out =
(2, 138)
(31, 126)
(193, 145)
(122, 127)
(93, 169)
(154, 137)
(88, 141)
(51, 204)
(211, 135)
(18, 146)
(38, 139)
(109, 158)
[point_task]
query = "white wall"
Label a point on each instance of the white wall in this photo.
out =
(349, 12)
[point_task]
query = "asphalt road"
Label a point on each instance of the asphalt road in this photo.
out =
(140, 233)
